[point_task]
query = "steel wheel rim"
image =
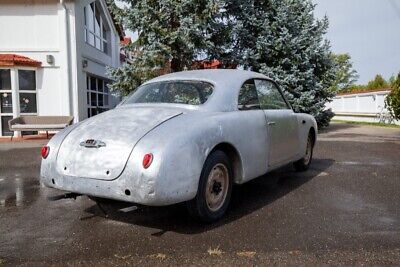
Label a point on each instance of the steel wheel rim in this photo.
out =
(307, 157)
(217, 187)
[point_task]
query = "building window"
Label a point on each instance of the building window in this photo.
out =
(27, 92)
(95, 29)
(6, 102)
(5, 79)
(27, 80)
(27, 103)
(97, 95)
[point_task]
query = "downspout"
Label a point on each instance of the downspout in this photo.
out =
(67, 59)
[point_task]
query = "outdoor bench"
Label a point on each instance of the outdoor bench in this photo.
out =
(39, 123)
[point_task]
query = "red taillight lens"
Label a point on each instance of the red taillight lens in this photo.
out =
(147, 160)
(45, 151)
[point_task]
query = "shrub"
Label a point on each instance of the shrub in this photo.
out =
(392, 101)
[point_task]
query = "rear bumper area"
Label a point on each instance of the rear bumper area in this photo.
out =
(118, 189)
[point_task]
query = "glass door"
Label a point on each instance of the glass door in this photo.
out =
(16, 101)
(6, 104)
(27, 94)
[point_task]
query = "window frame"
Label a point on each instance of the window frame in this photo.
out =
(28, 92)
(289, 106)
(280, 92)
(87, 30)
(201, 96)
(89, 92)
(258, 99)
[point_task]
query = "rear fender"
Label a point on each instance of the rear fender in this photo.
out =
(48, 165)
(178, 158)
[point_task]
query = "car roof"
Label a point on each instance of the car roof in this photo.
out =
(210, 75)
(227, 83)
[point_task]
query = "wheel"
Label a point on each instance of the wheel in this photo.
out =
(214, 190)
(303, 163)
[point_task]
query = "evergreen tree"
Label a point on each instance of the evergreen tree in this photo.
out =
(378, 83)
(283, 39)
(171, 34)
(280, 38)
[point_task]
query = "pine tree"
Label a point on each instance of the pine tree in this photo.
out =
(378, 83)
(283, 39)
(171, 34)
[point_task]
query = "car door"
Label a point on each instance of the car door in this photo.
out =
(252, 142)
(281, 122)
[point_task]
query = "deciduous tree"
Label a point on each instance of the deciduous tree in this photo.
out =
(392, 101)
(346, 75)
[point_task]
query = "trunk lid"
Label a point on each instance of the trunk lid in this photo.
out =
(100, 146)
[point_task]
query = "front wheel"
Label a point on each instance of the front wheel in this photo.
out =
(304, 163)
(214, 190)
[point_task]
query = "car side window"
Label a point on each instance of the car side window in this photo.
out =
(248, 97)
(269, 95)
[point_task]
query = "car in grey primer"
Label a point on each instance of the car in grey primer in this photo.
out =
(182, 137)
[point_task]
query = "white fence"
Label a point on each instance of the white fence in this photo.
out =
(360, 106)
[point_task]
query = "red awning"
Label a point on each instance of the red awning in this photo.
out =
(17, 60)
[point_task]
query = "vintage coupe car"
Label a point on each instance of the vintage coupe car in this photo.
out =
(182, 137)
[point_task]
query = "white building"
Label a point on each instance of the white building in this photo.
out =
(53, 58)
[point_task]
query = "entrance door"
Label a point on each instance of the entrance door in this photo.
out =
(281, 121)
(17, 100)
(6, 104)
(27, 94)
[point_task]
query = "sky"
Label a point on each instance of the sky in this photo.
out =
(369, 30)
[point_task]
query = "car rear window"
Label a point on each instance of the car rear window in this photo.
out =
(176, 92)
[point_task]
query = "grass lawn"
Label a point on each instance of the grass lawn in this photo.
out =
(368, 123)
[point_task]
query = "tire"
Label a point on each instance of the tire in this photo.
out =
(304, 163)
(214, 189)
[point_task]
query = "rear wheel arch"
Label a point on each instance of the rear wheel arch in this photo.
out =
(214, 188)
(313, 134)
(234, 157)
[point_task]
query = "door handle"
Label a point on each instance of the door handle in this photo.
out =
(271, 123)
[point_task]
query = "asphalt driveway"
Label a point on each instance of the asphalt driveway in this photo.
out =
(344, 210)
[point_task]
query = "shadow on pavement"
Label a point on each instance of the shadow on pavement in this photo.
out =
(246, 199)
(334, 127)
